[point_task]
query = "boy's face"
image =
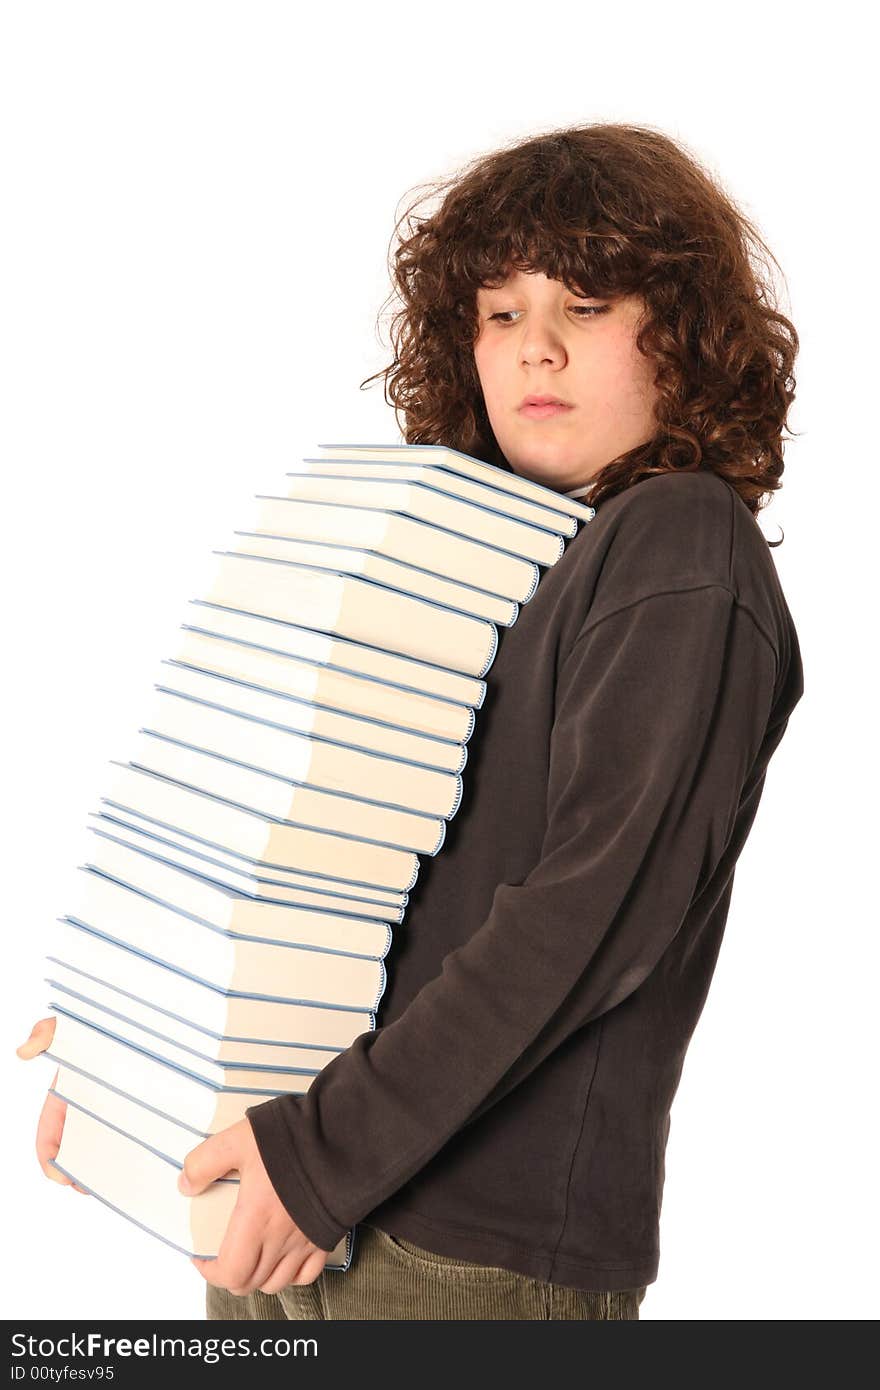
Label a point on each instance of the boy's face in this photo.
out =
(537, 339)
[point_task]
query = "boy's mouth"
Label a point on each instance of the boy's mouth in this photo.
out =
(542, 407)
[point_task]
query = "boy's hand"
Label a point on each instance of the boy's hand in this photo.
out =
(51, 1122)
(263, 1247)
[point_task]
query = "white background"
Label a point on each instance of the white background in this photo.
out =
(198, 204)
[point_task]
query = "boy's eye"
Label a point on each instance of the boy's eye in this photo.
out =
(584, 310)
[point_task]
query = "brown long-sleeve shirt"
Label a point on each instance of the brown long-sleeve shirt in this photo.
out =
(512, 1105)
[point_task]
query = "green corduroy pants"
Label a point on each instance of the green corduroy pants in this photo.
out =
(390, 1278)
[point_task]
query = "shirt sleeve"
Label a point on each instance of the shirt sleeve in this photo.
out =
(661, 708)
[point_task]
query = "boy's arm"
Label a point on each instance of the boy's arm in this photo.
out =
(662, 707)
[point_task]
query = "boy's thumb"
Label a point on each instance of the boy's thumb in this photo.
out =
(201, 1166)
(185, 1184)
(187, 1181)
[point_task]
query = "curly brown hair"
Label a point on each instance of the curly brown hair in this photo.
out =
(607, 209)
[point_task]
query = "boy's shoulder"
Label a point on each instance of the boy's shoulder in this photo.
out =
(667, 531)
(670, 532)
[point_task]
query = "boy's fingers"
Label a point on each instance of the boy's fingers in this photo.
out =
(50, 1125)
(56, 1175)
(40, 1037)
(50, 1128)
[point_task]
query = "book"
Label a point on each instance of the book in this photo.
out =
(393, 574)
(253, 857)
(333, 654)
(404, 541)
(118, 1166)
(357, 608)
(321, 721)
(492, 525)
(323, 688)
(170, 936)
(227, 910)
(229, 1077)
(256, 1018)
(259, 835)
(452, 461)
(254, 787)
(100, 1002)
(133, 1154)
(242, 875)
(309, 759)
(544, 513)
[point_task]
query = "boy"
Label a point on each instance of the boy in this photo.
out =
(582, 309)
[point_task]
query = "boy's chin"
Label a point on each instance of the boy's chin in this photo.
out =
(556, 468)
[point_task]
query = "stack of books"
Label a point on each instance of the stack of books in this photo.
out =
(306, 744)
